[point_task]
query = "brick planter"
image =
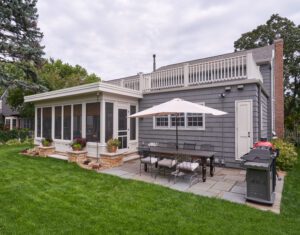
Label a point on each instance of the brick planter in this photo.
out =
(111, 161)
(77, 156)
(45, 151)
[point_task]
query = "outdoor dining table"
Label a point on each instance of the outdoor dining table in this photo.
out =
(194, 154)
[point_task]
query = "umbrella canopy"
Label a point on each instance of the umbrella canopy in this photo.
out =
(177, 106)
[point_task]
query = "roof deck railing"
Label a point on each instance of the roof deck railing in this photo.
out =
(211, 71)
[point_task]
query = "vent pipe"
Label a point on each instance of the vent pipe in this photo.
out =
(154, 62)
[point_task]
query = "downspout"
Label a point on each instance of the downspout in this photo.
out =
(272, 94)
(259, 112)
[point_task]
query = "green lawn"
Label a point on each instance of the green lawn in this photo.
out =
(48, 196)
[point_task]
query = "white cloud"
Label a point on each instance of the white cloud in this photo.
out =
(117, 38)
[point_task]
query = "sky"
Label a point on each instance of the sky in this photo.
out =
(117, 38)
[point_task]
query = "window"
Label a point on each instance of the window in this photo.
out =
(14, 123)
(194, 120)
(180, 120)
(58, 118)
(39, 117)
(189, 121)
(162, 121)
(67, 122)
(77, 121)
(93, 122)
(109, 120)
(132, 123)
(47, 122)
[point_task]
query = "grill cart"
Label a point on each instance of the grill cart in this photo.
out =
(260, 167)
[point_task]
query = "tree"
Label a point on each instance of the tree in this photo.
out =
(55, 74)
(20, 43)
(265, 34)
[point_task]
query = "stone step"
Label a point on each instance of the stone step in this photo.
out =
(130, 157)
(58, 156)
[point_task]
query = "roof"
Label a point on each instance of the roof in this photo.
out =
(84, 89)
(6, 108)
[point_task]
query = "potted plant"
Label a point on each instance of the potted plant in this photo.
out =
(47, 142)
(78, 144)
(112, 145)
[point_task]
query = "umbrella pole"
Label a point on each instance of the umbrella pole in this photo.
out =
(176, 123)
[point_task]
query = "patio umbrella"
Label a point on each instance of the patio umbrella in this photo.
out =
(177, 106)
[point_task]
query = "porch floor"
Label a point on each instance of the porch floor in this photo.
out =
(227, 183)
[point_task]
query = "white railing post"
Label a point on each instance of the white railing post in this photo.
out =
(186, 74)
(141, 81)
(122, 83)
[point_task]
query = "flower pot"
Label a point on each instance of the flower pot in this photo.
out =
(112, 149)
(76, 148)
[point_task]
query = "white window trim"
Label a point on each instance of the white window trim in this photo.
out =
(186, 127)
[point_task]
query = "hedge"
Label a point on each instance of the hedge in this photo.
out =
(14, 134)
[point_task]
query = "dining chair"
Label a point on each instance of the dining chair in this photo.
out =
(147, 159)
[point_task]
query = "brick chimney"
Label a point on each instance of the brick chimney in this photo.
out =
(278, 88)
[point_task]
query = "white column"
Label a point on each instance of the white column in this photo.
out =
(102, 121)
(141, 82)
(83, 121)
(52, 122)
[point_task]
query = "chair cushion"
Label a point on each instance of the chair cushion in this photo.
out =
(167, 162)
(189, 166)
(150, 160)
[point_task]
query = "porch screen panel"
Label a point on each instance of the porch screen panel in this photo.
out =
(38, 131)
(47, 122)
(132, 123)
(93, 122)
(77, 121)
(58, 119)
(109, 120)
(67, 122)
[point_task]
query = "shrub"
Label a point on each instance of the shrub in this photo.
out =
(6, 135)
(287, 154)
(47, 142)
(28, 141)
(13, 142)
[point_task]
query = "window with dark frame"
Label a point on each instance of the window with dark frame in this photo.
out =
(57, 119)
(109, 120)
(93, 122)
(180, 120)
(77, 121)
(132, 123)
(67, 122)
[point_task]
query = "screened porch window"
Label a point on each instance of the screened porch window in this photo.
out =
(67, 122)
(109, 120)
(93, 122)
(39, 118)
(47, 122)
(58, 120)
(132, 123)
(77, 121)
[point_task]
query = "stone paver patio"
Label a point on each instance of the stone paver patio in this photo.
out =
(227, 183)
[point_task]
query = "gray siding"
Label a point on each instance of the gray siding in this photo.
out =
(266, 74)
(219, 131)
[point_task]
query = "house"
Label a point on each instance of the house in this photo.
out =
(10, 117)
(248, 85)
